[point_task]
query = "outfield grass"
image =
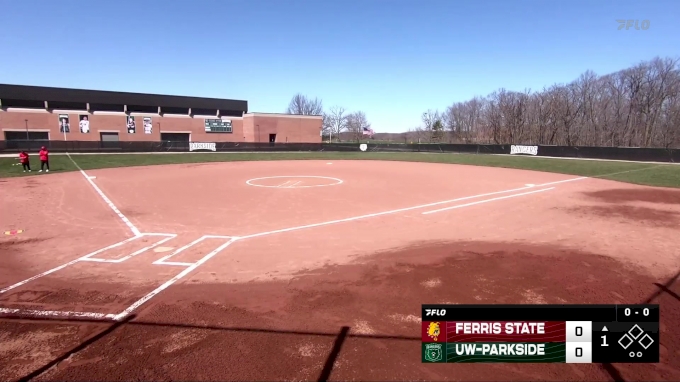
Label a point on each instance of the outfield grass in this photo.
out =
(663, 175)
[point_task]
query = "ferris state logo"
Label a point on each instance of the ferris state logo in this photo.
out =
(433, 330)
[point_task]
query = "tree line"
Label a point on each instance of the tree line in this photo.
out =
(635, 107)
(337, 120)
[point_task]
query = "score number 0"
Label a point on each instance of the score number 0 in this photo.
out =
(645, 312)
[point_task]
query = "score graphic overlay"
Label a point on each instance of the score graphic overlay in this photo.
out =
(540, 333)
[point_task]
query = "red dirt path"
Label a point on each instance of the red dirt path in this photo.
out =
(588, 241)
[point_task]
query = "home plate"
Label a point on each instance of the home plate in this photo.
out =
(529, 184)
(163, 249)
(329, 163)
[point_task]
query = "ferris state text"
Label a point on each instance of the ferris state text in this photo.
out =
(498, 328)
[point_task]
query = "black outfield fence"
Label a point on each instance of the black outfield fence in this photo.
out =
(620, 153)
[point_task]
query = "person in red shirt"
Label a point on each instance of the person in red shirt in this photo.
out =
(44, 159)
(23, 157)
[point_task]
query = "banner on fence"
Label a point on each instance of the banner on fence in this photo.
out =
(64, 125)
(530, 150)
(199, 146)
(84, 124)
(148, 126)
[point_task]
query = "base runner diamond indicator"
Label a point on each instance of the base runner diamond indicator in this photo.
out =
(635, 332)
(628, 341)
(646, 341)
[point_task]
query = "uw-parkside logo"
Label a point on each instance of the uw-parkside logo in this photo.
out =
(530, 150)
(433, 352)
(195, 146)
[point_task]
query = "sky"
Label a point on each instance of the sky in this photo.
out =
(392, 59)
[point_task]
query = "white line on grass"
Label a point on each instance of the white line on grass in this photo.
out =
(587, 159)
(486, 201)
(560, 181)
(627, 171)
(108, 201)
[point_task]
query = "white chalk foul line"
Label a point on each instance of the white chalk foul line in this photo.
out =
(173, 280)
(115, 209)
(486, 201)
(20, 283)
(83, 258)
(398, 210)
(108, 201)
(560, 181)
(57, 313)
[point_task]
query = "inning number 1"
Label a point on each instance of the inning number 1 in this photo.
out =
(604, 341)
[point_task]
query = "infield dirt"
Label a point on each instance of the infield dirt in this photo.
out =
(272, 307)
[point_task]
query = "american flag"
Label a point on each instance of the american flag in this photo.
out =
(368, 131)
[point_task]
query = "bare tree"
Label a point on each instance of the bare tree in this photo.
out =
(433, 124)
(301, 105)
(356, 122)
(416, 135)
(638, 106)
(337, 121)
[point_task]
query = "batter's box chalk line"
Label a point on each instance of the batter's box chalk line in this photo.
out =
(293, 181)
(167, 237)
(163, 237)
(163, 260)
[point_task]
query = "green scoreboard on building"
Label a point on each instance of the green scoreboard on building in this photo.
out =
(218, 126)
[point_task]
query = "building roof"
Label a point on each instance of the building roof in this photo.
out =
(40, 93)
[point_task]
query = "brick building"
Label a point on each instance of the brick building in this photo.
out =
(43, 113)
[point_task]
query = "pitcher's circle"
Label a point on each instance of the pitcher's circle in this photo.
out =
(294, 181)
